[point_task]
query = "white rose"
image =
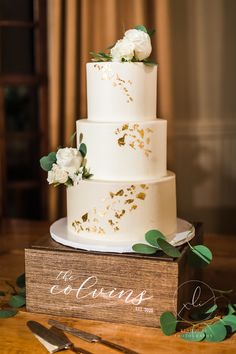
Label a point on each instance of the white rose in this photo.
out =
(51, 177)
(69, 158)
(60, 175)
(141, 41)
(123, 49)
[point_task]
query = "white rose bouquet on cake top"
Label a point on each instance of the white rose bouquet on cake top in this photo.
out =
(66, 166)
(135, 46)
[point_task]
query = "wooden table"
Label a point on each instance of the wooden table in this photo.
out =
(15, 337)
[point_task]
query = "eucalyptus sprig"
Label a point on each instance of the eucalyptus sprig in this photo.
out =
(198, 256)
(214, 330)
(12, 299)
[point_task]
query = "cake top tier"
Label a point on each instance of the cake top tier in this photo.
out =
(121, 85)
(121, 92)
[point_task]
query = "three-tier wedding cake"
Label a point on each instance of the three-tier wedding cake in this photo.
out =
(131, 190)
(127, 190)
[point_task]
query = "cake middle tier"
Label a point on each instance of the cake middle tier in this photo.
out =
(124, 151)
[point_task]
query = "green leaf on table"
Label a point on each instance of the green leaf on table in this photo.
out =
(20, 281)
(151, 237)
(144, 249)
(215, 332)
(83, 149)
(141, 28)
(231, 309)
(168, 323)
(2, 293)
(193, 336)
(230, 320)
(7, 313)
(199, 256)
(17, 301)
(202, 313)
(22, 292)
(168, 249)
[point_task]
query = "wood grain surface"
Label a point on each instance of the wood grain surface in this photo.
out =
(15, 338)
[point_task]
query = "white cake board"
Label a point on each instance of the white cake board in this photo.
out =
(60, 233)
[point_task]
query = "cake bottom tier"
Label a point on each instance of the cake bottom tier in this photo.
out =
(121, 211)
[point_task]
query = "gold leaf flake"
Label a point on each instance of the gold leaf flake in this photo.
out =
(108, 207)
(148, 140)
(121, 141)
(133, 207)
(141, 144)
(101, 231)
(112, 195)
(131, 99)
(119, 214)
(125, 127)
(141, 195)
(116, 228)
(143, 186)
(132, 186)
(111, 222)
(141, 132)
(132, 145)
(149, 130)
(129, 82)
(120, 192)
(135, 126)
(85, 217)
(129, 201)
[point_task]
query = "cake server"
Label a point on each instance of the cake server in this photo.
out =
(52, 341)
(89, 337)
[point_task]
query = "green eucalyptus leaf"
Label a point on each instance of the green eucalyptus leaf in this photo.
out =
(73, 137)
(193, 336)
(168, 249)
(230, 320)
(17, 301)
(45, 163)
(7, 313)
(144, 249)
(22, 292)
(141, 28)
(215, 332)
(149, 62)
(168, 323)
(83, 149)
(81, 138)
(2, 293)
(202, 313)
(231, 309)
(151, 32)
(151, 237)
(20, 281)
(199, 256)
(52, 156)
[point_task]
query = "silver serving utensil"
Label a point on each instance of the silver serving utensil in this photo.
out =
(89, 337)
(52, 341)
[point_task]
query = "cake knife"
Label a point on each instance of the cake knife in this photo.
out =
(52, 341)
(89, 337)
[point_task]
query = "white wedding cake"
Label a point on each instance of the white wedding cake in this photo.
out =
(131, 190)
(127, 189)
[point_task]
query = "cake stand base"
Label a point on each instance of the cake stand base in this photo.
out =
(60, 233)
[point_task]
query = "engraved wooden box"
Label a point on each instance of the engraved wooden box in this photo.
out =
(125, 288)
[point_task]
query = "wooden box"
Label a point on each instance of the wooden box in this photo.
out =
(125, 288)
